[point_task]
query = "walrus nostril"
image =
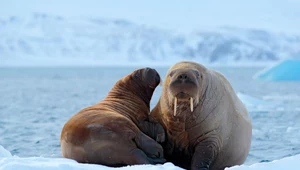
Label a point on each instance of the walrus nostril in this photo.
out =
(182, 77)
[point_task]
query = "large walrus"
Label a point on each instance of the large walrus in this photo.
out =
(207, 126)
(111, 132)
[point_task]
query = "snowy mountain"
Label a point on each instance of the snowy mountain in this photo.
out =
(43, 39)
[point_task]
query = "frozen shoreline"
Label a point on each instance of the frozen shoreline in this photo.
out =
(9, 162)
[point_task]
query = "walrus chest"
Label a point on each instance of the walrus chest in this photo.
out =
(178, 146)
(179, 130)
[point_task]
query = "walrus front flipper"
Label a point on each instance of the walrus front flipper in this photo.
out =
(153, 130)
(149, 146)
(139, 157)
(157, 160)
(205, 152)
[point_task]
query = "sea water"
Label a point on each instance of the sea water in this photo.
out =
(36, 102)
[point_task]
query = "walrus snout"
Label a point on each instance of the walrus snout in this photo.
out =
(184, 83)
(151, 76)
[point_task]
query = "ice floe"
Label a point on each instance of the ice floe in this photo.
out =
(286, 70)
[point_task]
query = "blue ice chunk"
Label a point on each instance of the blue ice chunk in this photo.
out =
(286, 70)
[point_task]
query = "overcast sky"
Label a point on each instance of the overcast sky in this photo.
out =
(184, 15)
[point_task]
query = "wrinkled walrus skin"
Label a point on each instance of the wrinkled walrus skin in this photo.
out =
(113, 132)
(207, 126)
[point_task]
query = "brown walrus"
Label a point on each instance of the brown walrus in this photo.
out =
(207, 126)
(111, 132)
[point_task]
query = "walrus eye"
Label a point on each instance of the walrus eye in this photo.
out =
(197, 74)
(171, 74)
(135, 75)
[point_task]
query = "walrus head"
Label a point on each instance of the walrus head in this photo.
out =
(142, 82)
(184, 84)
(147, 77)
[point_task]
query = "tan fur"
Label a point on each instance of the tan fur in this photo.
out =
(113, 131)
(219, 121)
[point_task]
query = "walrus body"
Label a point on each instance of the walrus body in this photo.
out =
(109, 132)
(207, 126)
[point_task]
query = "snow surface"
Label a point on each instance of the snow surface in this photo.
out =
(286, 70)
(290, 163)
(10, 162)
(72, 32)
(41, 39)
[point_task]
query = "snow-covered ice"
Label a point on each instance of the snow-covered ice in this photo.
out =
(290, 163)
(43, 39)
(9, 162)
(286, 70)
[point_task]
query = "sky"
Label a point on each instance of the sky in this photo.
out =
(182, 16)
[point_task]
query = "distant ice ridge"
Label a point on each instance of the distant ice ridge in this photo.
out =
(4, 153)
(9, 162)
(255, 104)
(286, 70)
(53, 40)
(269, 103)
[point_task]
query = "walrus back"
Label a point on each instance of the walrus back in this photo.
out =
(94, 124)
(111, 139)
(238, 104)
(240, 130)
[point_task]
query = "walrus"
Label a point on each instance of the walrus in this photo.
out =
(207, 126)
(116, 131)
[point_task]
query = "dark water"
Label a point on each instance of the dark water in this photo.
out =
(36, 102)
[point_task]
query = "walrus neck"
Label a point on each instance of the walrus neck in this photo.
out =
(136, 90)
(211, 95)
(128, 99)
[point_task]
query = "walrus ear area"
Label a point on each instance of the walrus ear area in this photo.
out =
(135, 75)
(198, 74)
(172, 73)
(138, 74)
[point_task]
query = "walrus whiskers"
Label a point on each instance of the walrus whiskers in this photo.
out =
(192, 104)
(175, 106)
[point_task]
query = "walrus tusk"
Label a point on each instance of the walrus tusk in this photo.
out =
(175, 106)
(191, 104)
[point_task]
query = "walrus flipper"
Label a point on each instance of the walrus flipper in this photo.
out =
(153, 130)
(149, 146)
(139, 157)
(157, 160)
(205, 153)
